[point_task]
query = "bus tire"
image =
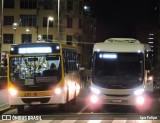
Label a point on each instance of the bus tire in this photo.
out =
(67, 98)
(20, 109)
(63, 107)
(73, 101)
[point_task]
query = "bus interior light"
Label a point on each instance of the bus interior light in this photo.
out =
(138, 92)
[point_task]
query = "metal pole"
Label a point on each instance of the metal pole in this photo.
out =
(1, 25)
(58, 16)
(14, 36)
(14, 26)
(49, 19)
(37, 14)
(47, 27)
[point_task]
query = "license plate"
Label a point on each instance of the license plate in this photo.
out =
(117, 101)
(30, 94)
(35, 103)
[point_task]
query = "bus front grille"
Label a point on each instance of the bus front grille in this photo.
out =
(30, 100)
(124, 95)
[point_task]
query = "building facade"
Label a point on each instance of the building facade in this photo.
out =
(25, 21)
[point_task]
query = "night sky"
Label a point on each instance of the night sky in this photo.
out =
(123, 18)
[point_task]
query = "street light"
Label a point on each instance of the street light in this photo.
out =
(14, 26)
(39, 37)
(49, 19)
(27, 30)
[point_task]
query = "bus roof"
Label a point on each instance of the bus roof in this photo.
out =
(34, 44)
(127, 40)
(39, 47)
(44, 44)
(69, 47)
(120, 45)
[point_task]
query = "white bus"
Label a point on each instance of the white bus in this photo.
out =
(121, 73)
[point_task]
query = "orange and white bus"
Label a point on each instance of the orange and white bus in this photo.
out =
(32, 82)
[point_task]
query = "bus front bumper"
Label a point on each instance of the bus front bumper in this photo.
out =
(130, 100)
(54, 99)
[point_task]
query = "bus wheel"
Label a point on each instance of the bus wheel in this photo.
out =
(73, 101)
(63, 107)
(20, 109)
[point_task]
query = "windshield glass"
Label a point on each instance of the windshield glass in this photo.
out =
(35, 72)
(118, 70)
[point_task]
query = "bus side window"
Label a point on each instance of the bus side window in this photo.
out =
(66, 65)
(65, 62)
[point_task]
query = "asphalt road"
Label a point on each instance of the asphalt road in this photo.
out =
(81, 112)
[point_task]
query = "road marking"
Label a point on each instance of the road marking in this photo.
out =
(94, 121)
(2, 105)
(81, 111)
(143, 121)
(119, 121)
(18, 121)
(68, 121)
(44, 121)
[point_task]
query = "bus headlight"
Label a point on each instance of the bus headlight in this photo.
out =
(94, 99)
(95, 90)
(13, 91)
(58, 90)
(140, 100)
(139, 91)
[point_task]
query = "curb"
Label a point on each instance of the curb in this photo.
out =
(4, 110)
(7, 108)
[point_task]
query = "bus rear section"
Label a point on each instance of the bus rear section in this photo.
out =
(119, 75)
(36, 77)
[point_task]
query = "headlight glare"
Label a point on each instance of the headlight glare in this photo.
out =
(95, 90)
(13, 91)
(58, 90)
(138, 91)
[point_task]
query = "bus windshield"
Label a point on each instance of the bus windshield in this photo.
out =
(35, 72)
(118, 70)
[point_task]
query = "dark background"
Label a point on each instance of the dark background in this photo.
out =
(124, 18)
